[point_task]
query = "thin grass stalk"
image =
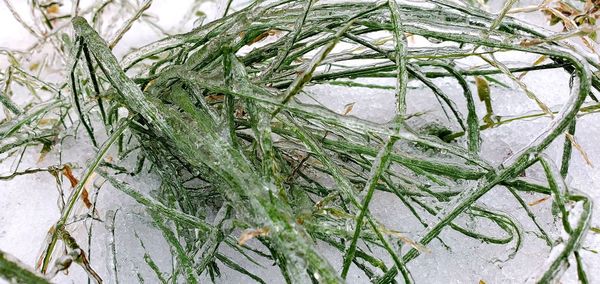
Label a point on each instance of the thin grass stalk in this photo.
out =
(75, 194)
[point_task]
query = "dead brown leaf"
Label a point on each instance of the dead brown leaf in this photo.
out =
(263, 36)
(348, 108)
(68, 173)
(214, 98)
(534, 203)
(250, 234)
(53, 9)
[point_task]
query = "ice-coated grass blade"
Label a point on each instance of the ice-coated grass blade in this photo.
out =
(217, 115)
(13, 270)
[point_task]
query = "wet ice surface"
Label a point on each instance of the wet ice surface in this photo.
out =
(28, 203)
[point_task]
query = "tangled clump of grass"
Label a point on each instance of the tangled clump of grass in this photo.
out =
(229, 123)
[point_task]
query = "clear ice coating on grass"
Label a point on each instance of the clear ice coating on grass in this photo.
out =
(28, 203)
(463, 262)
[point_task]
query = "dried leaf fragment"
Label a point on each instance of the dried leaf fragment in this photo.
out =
(348, 108)
(533, 203)
(535, 63)
(580, 149)
(263, 36)
(44, 152)
(68, 173)
(405, 239)
(53, 9)
(214, 98)
(250, 234)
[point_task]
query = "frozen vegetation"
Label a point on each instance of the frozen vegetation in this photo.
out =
(244, 147)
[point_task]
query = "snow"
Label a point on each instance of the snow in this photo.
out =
(28, 204)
